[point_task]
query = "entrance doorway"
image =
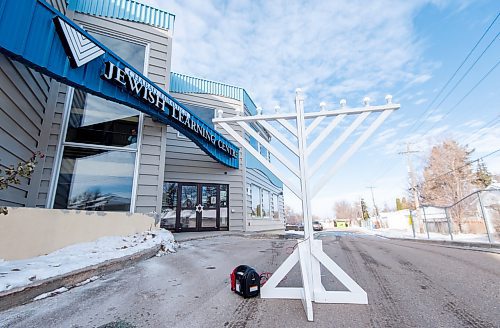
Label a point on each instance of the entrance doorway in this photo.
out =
(195, 206)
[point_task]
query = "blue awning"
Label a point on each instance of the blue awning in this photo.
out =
(37, 35)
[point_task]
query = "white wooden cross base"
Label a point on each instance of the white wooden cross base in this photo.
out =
(312, 291)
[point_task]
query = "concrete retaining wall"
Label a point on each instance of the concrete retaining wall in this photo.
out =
(30, 232)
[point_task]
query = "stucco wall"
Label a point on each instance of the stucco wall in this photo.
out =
(30, 232)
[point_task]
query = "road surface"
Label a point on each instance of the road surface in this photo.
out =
(408, 284)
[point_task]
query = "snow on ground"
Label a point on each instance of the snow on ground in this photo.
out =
(20, 273)
(394, 233)
(476, 238)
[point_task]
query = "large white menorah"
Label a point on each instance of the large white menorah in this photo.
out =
(309, 252)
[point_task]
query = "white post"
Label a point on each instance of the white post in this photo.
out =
(306, 206)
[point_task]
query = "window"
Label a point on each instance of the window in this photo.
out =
(263, 151)
(169, 205)
(95, 179)
(97, 121)
(256, 206)
(266, 204)
(276, 213)
(100, 147)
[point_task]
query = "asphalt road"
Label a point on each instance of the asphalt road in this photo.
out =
(408, 284)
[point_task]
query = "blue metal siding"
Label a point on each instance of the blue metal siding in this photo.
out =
(187, 84)
(28, 35)
(249, 104)
(181, 83)
(124, 9)
(253, 163)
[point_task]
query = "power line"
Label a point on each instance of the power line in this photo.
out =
(455, 73)
(452, 108)
(468, 71)
(465, 96)
(487, 125)
(413, 128)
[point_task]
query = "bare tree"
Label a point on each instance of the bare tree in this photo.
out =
(346, 211)
(291, 216)
(448, 178)
(13, 175)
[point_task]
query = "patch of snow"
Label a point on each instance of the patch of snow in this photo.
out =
(52, 293)
(481, 238)
(21, 273)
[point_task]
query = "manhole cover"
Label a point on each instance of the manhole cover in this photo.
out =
(210, 267)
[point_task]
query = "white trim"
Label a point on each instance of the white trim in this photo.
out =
(309, 253)
(324, 133)
(257, 155)
(135, 179)
(262, 142)
(140, 128)
(338, 142)
(354, 147)
(97, 146)
(280, 137)
(314, 124)
(56, 165)
(289, 116)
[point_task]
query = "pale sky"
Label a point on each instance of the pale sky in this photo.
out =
(352, 49)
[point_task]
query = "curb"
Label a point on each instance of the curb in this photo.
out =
(26, 294)
(447, 242)
(182, 240)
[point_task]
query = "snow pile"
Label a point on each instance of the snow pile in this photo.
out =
(24, 272)
(394, 233)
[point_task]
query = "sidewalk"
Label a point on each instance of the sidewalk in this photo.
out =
(19, 283)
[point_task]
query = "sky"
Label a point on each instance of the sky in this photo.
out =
(346, 49)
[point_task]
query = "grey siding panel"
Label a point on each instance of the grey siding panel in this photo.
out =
(153, 139)
(23, 97)
(54, 113)
(185, 162)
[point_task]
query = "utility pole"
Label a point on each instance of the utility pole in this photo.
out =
(374, 205)
(413, 180)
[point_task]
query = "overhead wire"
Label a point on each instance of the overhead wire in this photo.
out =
(455, 73)
(465, 96)
(461, 167)
(487, 125)
(413, 128)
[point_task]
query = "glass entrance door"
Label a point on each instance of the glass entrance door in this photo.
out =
(187, 215)
(195, 206)
(209, 207)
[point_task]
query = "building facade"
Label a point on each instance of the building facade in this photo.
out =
(138, 140)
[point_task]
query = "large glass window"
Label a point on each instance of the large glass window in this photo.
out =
(169, 205)
(256, 206)
(276, 213)
(94, 173)
(266, 204)
(95, 179)
(94, 120)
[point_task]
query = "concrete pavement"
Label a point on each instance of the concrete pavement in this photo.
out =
(408, 285)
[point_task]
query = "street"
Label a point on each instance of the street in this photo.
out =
(409, 284)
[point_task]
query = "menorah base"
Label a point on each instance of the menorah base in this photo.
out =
(309, 254)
